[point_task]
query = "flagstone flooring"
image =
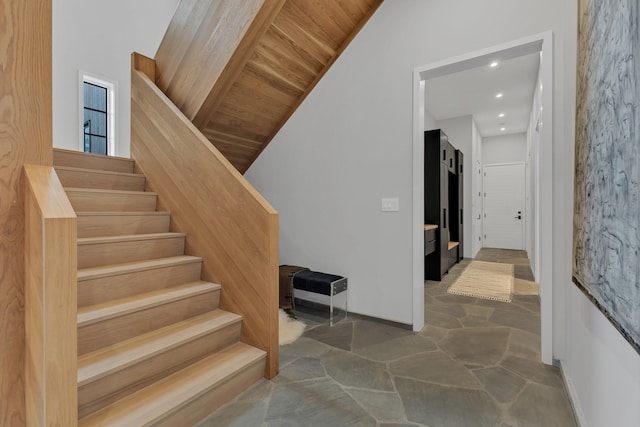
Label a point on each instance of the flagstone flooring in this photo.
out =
(476, 363)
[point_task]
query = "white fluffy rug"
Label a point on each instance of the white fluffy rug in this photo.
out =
(290, 329)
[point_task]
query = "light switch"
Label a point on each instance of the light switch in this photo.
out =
(390, 204)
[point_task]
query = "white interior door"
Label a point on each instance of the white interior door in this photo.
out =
(504, 206)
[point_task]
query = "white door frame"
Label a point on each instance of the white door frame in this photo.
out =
(544, 211)
(524, 209)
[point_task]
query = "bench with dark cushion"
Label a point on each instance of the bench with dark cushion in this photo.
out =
(321, 283)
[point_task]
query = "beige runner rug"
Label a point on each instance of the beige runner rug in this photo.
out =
(488, 280)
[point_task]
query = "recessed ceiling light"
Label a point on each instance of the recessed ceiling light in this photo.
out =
(494, 64)
(501, 115)
(499, 95)
(503, 129)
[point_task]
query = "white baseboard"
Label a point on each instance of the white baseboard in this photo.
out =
(573, 397)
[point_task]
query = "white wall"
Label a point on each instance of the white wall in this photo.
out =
(430, 122)
(347, 145)
(460, 133)
(98, 37)
(601, 368)
(475, 168)
(531, 167)
(504, 148)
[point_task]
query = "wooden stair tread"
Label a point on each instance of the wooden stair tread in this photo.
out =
(101, 156)
(124, 213)
(119, 223)
(98, 171)
(98, 191)
(74, 176)
(127, 238)
(173, 392)
(97, 364)
(108, 310)
(131, 267)
(100, 200)
(107, 250)
(73, 158)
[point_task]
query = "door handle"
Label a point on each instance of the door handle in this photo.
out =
(518, 217)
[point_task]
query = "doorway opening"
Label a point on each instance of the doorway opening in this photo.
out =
(539, 209)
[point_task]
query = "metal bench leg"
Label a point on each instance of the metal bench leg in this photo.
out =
(346, 303)
(331, 306)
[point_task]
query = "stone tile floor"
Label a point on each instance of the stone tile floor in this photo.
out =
(476, 363)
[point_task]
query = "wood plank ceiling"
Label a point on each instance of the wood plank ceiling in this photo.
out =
(265, 61)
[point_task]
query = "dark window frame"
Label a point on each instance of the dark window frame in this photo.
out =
(88, 136)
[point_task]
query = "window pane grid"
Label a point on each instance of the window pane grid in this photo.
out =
(95, 119)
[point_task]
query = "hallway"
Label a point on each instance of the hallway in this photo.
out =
(476, 363)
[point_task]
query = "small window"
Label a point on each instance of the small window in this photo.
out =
(98, 127)
(95, 119)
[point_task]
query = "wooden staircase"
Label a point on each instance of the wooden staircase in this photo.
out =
(153, 347)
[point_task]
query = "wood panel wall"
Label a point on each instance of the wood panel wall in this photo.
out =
(25, 137)
(239, 73)
(284, 65)
(201, 39)
(226, 220)
(50, 301)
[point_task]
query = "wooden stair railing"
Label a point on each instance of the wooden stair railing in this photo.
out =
(225, 219)
(50, 301)
(238, 70)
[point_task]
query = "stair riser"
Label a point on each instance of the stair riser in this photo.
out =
(105, 202)
(82, 160)
(203, 405)
(98, 254)
(97, 180)
(119, 225)
(103, 289)
(106, 390)
(101, 334)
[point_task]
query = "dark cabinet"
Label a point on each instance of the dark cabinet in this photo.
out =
(444, 216)
(442, 202)
(430, 240)
(447, 153)
(444, 148)
(460, 174)
(436, 200)
(451, 158)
